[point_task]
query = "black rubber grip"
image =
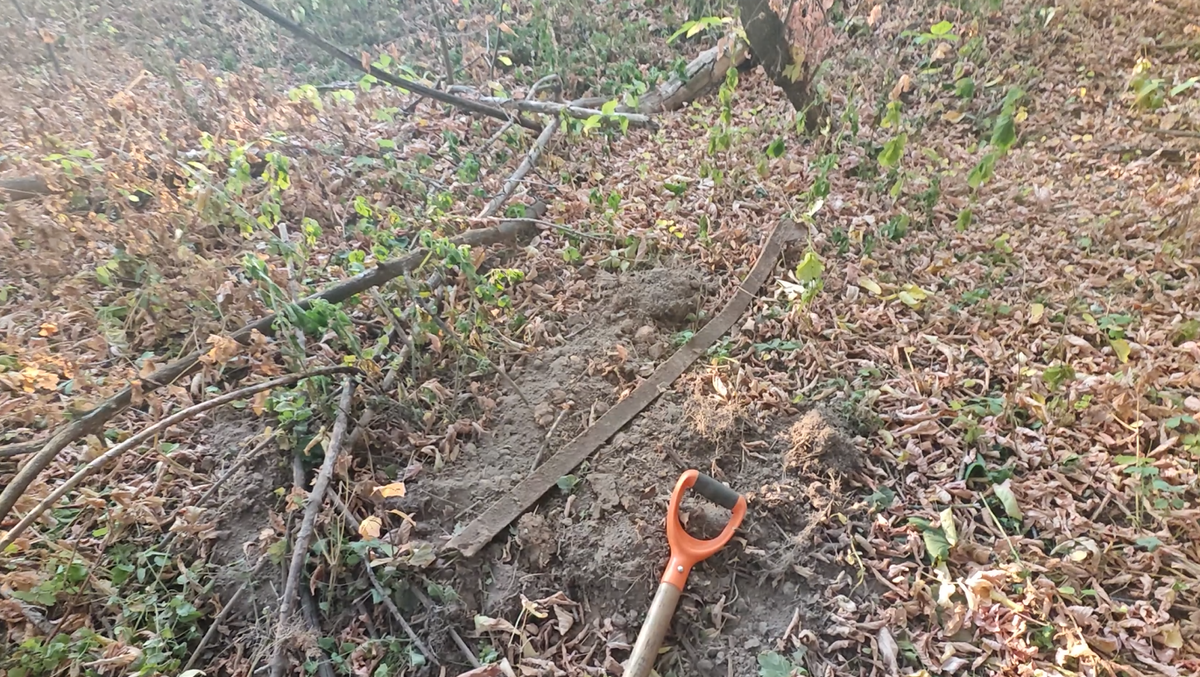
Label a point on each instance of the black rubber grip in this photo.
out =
(716, 491)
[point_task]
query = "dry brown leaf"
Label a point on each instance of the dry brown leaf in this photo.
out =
(393, 490)
(370, 527)
(873, 17)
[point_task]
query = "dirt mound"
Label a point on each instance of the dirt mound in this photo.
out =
(599, 537)
(665, 295)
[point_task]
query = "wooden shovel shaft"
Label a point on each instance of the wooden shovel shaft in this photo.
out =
(650, 637)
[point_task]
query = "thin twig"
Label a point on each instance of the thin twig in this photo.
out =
(220, 481)
(355, 62)
(233, 602)
(495, 137)
(353, 522)
(148, 433)
(312, 508)
(445, 46)
(541, 452)
(246, 457)
(1185, 133)
(578, 112)
(527, 164)
(458, 640)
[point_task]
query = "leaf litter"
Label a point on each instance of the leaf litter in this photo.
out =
(966, 419)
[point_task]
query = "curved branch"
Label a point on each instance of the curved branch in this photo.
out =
(151, 431)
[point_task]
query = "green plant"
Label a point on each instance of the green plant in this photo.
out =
(691, 28)
(806, 279)
(938, 31)
(772, 664)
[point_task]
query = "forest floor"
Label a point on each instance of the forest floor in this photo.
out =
(963, 409)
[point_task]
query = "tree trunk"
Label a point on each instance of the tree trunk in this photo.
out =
(790, 38)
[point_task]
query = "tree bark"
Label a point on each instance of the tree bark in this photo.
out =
(790, 41)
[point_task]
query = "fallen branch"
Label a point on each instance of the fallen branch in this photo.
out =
(707, 69)
(24, 188)
(18, 448)
(527, 164)
(312, 508)
(579, 112)
(148, 433)
(95, 419)
(404, 83)
(510, 506)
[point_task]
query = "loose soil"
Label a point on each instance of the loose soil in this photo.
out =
(599, 538)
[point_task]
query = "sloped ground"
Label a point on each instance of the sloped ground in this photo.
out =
(1013, 357)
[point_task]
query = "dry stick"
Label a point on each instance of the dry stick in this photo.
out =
(353, 522)
(148, 433)
(355, 62)
(509, 507)
(18, 448)
(94, 420)
(527, 164)
(233, 601)
(445, 46)
(1185, 133)
(312, 508)
(579, 112)
(308, 606)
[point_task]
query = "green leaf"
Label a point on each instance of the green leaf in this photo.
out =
(1121, 348)
(1004, 134)
(504, 60)
(936, 544)
(567, 483)
(609, 107)
(941, 28)
(775, 149)
(687, 26)
(983, 172)
(1184, 86)
(1058, 374)
(965, 88)
(809, 268)
(964, 219)
(771, 664)
(1150, 543)
(893, 150)
(1007, 499)
(946, 518)
(386, 143)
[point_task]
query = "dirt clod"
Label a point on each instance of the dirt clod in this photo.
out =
(817, 441)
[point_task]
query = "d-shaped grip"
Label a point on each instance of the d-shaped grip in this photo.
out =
(715, 491)
(686, 550)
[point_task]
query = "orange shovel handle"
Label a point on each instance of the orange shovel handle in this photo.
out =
(687, 551)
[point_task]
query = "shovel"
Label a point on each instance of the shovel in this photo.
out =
(686, 552)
